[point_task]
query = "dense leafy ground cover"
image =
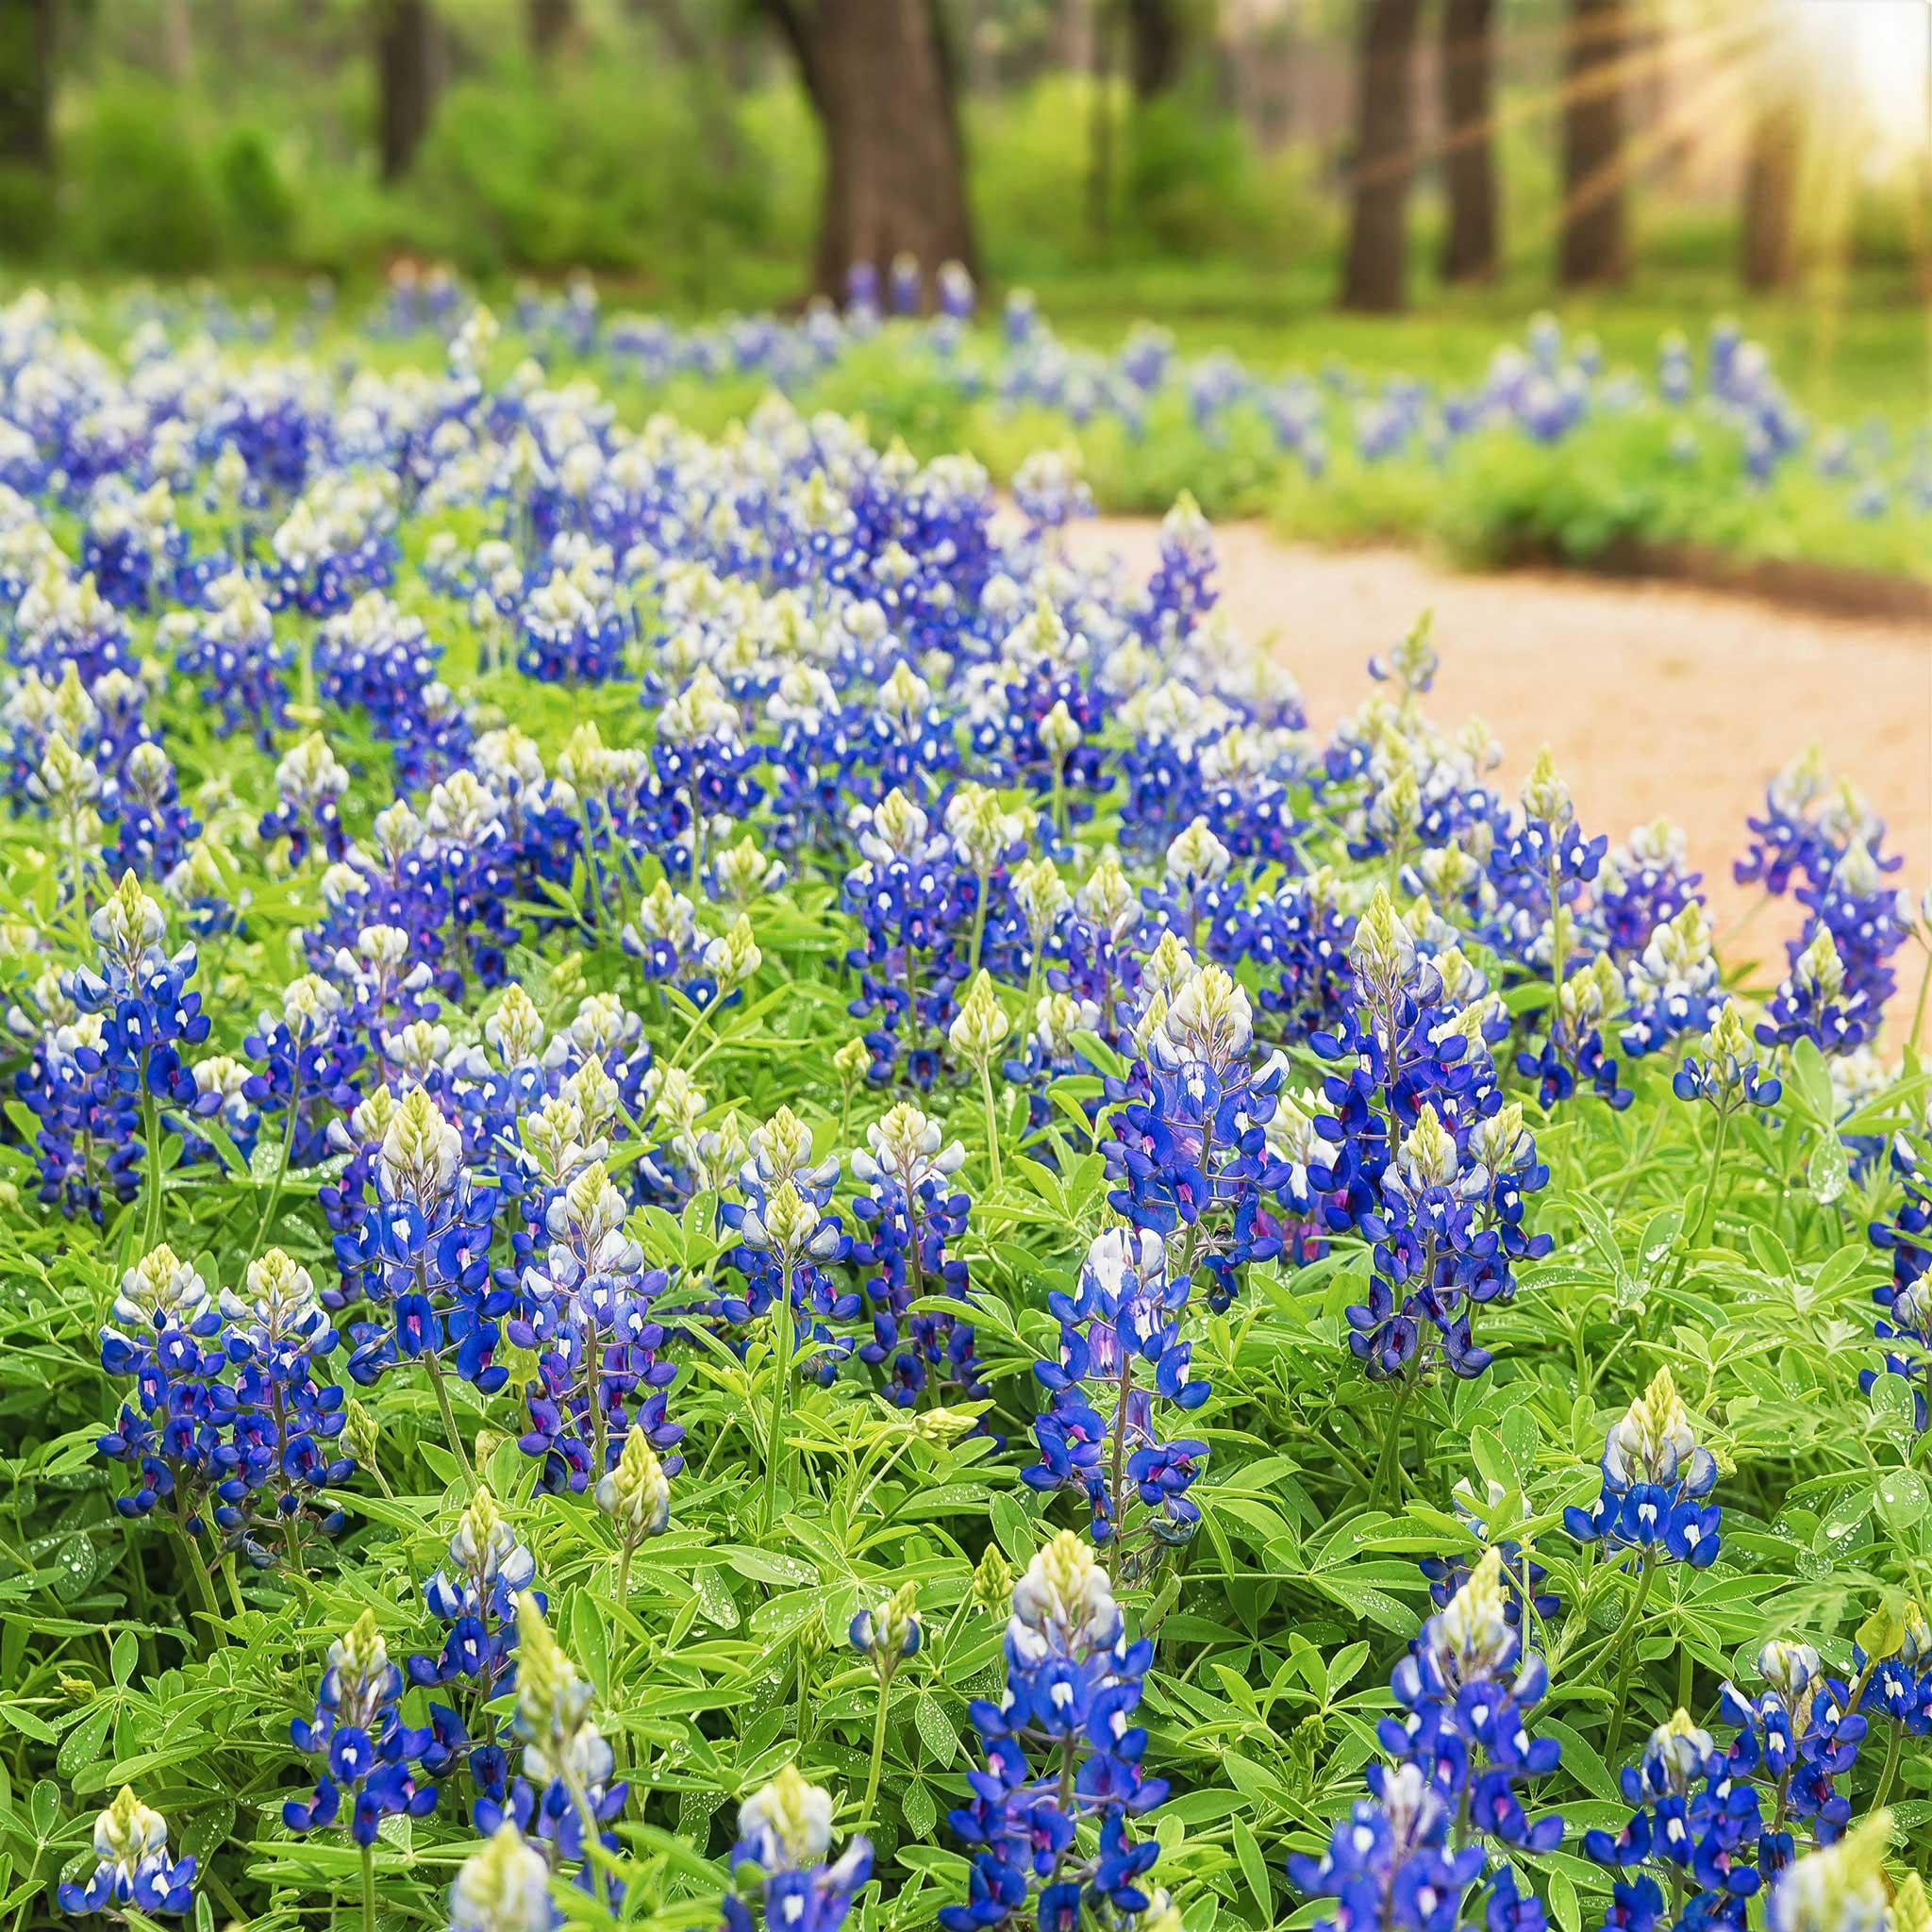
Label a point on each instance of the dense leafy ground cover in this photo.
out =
(723, 1187)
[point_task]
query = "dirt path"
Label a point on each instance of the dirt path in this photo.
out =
(1657, 699)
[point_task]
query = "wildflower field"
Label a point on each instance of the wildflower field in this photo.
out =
(730, 1199)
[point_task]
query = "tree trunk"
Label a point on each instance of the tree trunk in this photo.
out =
(27, 84)
(1594, 247)
(548, 25)
(1375, 275)
(1156, 47)
(1469, 165)
(406, 80)
(1771, 186)
(880, 74)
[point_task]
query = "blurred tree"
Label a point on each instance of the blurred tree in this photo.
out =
(879, 74)
(27, 84)
(406, 80)
(1469, 167)
(1375, 274)
(1156, 47)
(1771, 191)
(1594, 247)
(548, 25)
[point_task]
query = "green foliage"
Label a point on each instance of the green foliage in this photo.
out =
(140, 192)
(261, 210)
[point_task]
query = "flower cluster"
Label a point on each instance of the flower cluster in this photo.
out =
(1656, 1478)
(1061, 1751)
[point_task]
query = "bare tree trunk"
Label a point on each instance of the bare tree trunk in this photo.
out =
(1771, 186)
(1156, 47)
(548, 25)
(27, 84)
(1469, 165)
(1594, 246)
(1375, 275)
(880, 78)
(406, 80)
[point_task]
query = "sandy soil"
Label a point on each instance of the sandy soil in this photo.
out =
(1655, 699)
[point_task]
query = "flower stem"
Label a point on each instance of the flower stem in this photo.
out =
(1890, 1770)
(1919, 1004)
(781, 1379)
(151, 1167)
(992, 1126)
(879, 1755)
(275, 1192)
(1625, 1645)
(368, 1889)
(449, 1417)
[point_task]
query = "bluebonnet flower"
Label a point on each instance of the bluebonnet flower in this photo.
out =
(1815, 1003)
(336, 542)
(164, 1333)
(782, 1862)
(1786, 838)
(1842, 1887)
(1895, 1677)
(1724, 1072)
(1642, 886)
(371, 1759)
(477, 1596)
(889, 1632)
(283, 1422)
(146, 1009)
(135, 1871)
(1427, 1161)
(1189, 1149)
(1800, 1735)
(908, 903)
(1867, 920)
(1389, 1863)
(1466, 1688)
(231, 653)
(309, 782)
(564, 1793)
(787, 1235)
(504, 1886)
(911, 1214)
(1673, 985)
(422, 1253)
(600, 1371)
(1074, 1684)
(1125, 1307)
(1656, 1476)
(1696, 1821)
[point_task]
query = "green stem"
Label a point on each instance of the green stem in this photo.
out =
(1391, 1459)
(781, 1380)
(368, 1889)
(879, 1755)
(1627, 1649)
(151, 1168)
(992, 1126)
(1890, 1770)
(449, 1418)
(275, 1192)
(1919, 1005)
(984, 878)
